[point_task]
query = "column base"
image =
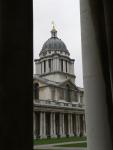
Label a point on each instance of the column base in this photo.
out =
(43, 137)
(77, 134)
(53, 136)
(84, 134)
(63, 135)
(70, 135)
(34, 137)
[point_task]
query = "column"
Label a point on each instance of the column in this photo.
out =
(84, 126)
(94, 82)
(77, 125)
(71, 126)
(72, 67)
(74, 124)
(44, 128)
(63, 130)
(64, 66)
(54, 125)
(34, 125)
(60, 124)
(61, 121)
(51, 124)
(81, 124)
(42, 125)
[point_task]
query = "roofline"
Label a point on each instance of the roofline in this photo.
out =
(57, 72)
(59, 83)
(52, 56)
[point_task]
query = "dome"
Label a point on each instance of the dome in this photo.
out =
(54, 44)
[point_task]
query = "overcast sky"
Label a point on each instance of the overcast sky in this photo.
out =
(66, 15)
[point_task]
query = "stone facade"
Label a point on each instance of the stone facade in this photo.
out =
(58, 103)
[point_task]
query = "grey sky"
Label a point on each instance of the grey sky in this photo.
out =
(66, 15)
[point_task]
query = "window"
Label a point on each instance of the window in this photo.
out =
(44, 66)
(41, 68)
(61, 91)
(66, 65)
(36, 91)
(62, 65)
(67, 93)
(49, 63)
(76, 98)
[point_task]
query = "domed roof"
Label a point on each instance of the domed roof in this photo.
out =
(54, 43)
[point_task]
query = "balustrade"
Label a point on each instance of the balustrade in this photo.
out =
(58, 103)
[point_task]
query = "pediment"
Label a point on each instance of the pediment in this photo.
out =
(70, 84)
(40, 82)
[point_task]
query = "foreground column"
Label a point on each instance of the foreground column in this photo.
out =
(98, 130)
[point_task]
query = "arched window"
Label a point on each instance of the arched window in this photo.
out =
(36, 91)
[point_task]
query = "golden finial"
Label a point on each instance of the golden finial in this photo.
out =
(53, 24)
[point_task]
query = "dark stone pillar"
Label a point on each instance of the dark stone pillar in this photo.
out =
(16, 55)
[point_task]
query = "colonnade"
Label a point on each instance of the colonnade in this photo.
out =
(52, 124)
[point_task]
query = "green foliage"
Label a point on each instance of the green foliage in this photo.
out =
(58, 140)
(83, 144)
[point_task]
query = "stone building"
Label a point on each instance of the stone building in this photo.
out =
(58, 109)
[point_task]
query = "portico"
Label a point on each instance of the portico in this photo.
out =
(51, 122)
(51, 128)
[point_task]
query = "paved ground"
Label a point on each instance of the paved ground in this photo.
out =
(51, 146)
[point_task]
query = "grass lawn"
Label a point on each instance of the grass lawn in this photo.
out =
(84, 144)
(58, 140)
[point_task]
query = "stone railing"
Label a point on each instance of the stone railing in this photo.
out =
(59, 103)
